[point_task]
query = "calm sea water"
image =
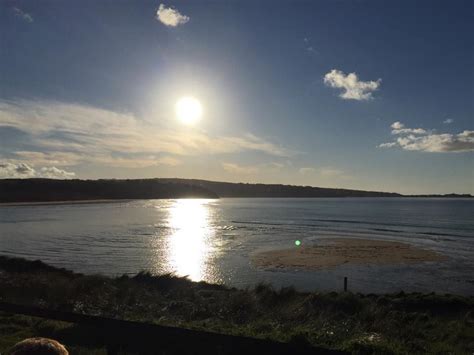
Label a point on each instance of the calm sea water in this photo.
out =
(213, 240)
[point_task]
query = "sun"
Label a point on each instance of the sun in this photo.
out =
(189, 110)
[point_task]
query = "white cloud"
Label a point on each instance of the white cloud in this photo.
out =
(20, 170)
(418, 139)
(69, 134)
(170, 17)
(409, 130)
(54, 173)
(448, 121)
(399, 128)
(438, 143)
(353, 88)
(23, 15)
(397, 125)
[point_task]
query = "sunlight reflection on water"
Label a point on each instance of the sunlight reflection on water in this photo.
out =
(189, 244)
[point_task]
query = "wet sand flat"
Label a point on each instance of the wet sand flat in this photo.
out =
(333, 252)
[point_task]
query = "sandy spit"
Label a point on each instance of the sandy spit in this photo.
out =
(333, 252)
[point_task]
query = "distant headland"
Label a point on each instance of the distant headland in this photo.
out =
(52, 190)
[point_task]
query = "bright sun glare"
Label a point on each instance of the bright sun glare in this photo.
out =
(188, 110)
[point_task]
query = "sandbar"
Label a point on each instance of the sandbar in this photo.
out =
(332, 252)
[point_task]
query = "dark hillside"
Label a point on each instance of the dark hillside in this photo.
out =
(46, 190)
(227, 189)
(49, 190)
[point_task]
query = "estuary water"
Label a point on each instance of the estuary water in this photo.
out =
(213, 240)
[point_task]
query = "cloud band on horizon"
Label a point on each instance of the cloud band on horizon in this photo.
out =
(418, 139)
(70, 134)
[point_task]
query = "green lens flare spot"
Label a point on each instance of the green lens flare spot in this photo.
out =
(297, 243)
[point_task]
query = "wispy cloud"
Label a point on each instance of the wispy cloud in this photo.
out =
(170, 17)
(353, 88)
(329, 171)
(448, 121)
(69, 134)
(19, 170)
(134, 161)
(50, 158)
(275, 166)
(308, 46)
(325, 171)
(262, 168)
(399, 128)
(388, 145)
(306, 170)
(23, 15)
(418, 139)
(239, 169)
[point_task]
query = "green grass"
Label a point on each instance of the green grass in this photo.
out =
(363, 324)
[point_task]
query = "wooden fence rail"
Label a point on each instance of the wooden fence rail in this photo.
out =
(145, 338)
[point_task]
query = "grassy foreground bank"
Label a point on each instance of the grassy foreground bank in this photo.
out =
(396, 323)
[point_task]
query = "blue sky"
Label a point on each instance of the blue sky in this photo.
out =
(359, 94)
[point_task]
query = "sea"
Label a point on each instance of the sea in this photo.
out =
(215, 240)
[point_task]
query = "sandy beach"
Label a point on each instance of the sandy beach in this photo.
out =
(334, 252)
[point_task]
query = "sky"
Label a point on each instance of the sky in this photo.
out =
(374, 95)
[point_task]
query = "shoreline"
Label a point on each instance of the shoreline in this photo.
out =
(65, 202)
(333, 252)
(111, 200)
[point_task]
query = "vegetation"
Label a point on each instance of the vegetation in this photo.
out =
(389, 324)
